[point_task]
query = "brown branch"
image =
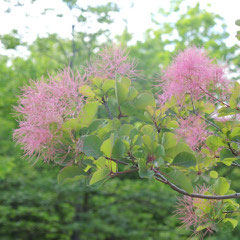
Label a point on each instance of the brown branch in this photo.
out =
(120, 115)
(157, 127)
(218, 100)
(229, 212)
(117, 161)
(213, 97)
(114, 174)
(131, 157)
(193, 195)
(232, 150)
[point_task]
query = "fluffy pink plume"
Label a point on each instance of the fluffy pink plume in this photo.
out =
(193, 130)
(44, 104)
(111, 63)
(192, 72)
(186, 211)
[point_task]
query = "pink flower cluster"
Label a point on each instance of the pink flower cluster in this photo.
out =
(111, 63)
(190, 211)
(43, 107)
(193, 130)
(191, 72)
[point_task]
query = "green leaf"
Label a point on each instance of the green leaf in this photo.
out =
(235, 133)
(143, 100)
(180, 147)
(100, 162)
(119, 149)
(225, 153)
(214, 142)
(96, 124)
(234, 222)
(86, 90)
(228, 161)
(184, 159)
(213, 174)
(202, 227)
(121, 92)
(143, 171)
(169, 140)
(221, 186)
(208, 108)
(225, 111)
(125, 130)
(97, 81)
(107, 85)
(150, 131)
(227, 157)
(181, 180)
(99, 175)
(147, 142)
(159, 151)
(107, 146)
(233, 101)
(172, 124)
(126, 82)
(71, 124)
(132, 94)
(71, 174)
(91, 146)
(88, 113)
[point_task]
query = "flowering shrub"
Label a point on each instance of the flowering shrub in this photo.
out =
(192, 72)
(99, 126)
(193, 130)
(43, 108)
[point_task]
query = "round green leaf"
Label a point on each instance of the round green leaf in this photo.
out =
(213, 174)
(221, 186)
(184, 159)
(143, 100)
(71, 174)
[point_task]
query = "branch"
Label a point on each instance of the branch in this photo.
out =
(123, 172)
(193, 195)
(218, 100)
(232, 150)
(211, 123)
(213, 97)
(120, 115)
(117, 161)
(235, 165)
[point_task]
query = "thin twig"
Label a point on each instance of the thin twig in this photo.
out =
(232, 150)
(117, 161)
(213, 97)
(211, 123)
(114, 174)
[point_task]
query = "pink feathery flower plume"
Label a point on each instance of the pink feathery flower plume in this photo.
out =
(192, 72)
(44, 104)
(193, 130)
(110, 63)
(192, 211)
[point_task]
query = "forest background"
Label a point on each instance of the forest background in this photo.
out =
(32, 204)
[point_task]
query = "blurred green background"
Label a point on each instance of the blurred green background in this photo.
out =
(32, 204)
